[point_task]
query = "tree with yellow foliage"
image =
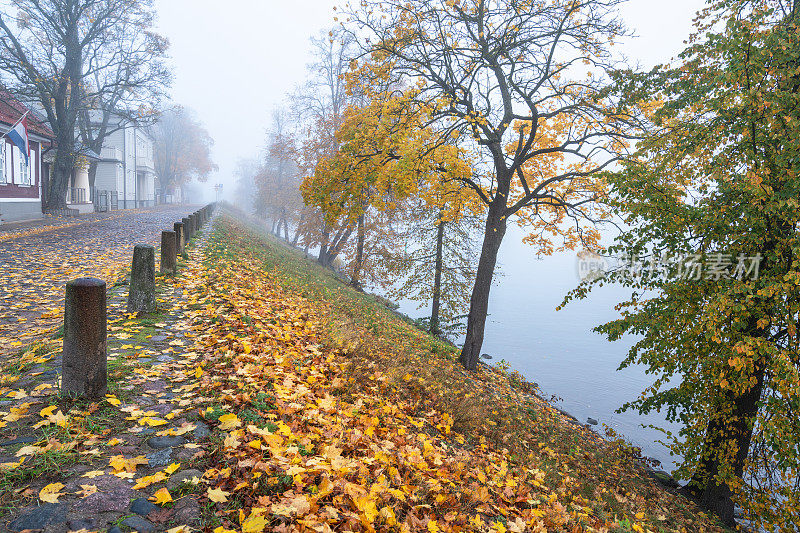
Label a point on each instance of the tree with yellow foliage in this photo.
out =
(711, 202)
(519, 85)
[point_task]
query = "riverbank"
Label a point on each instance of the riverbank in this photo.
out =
(270, 396)
(507, 441)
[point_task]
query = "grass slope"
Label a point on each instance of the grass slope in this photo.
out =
(456, 450)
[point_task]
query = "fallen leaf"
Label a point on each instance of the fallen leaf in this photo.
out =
(217, 495)
(161, 496)
(229, 421)
(50, 493)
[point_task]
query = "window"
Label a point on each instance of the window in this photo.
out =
(3, 162)
(24, 170)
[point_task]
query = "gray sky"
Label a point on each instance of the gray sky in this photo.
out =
(236, 60)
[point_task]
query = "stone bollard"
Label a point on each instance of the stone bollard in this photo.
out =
(83, 366)
(168, 256)
(187, 231)
(142, 293)
(193, 223)
(180, 241)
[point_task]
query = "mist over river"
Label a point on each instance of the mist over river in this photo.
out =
(558, 349)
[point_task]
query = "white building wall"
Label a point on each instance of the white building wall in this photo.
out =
(127, 153)
(107, 175)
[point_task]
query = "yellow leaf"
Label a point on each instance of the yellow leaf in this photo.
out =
(28, 450)
(113, 400)
(229, 421)
(179, 529)
(88, 490)
(171, 469)
(119, 463)
(146, 481)
(50, 493)
(47, 411)
(11, 466)
(254, 524)
(217, 495)
(152, 422)
(161, 496)
(366, 504)
(255, 444)
(59, 418)
(388, 516)
(93, 474)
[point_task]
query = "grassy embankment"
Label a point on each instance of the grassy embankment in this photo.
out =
(392, 432)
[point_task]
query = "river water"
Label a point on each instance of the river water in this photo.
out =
(558, 349)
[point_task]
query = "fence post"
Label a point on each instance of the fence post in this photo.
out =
(84, 363)
(180, 240)
(142, 293)
(168, 263)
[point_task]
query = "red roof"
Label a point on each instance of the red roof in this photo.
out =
(12, 109)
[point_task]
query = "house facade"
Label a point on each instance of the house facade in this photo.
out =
(125, 170)
(21, 183)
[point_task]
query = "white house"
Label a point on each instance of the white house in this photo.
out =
(125, 171)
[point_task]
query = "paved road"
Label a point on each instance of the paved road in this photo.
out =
(37, 260)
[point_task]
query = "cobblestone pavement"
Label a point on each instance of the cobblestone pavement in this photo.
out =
(100, 466)
(37, 260)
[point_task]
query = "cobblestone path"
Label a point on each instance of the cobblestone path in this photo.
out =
(37, 260)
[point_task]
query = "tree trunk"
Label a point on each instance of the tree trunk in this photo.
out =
(322, 258)
(727, 428)
(297, 231)
(479, 302)
(355, 281)
(92, 176)
(62, 171)
(334, 246)
(437, 279)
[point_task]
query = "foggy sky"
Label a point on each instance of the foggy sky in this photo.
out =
(235, 60)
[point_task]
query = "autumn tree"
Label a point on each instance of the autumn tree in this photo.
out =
(181, 150)
(711, 199)
(66, 56)
(245, 173)
(278, 179)
(320, 105)
(436, 267)
(384, 159)
(126, 81)
(521, 84)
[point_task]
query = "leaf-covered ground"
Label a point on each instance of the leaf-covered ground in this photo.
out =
(38, 258)
(298, 404)
(335, 414)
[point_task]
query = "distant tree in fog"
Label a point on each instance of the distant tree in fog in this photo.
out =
(181, 150)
